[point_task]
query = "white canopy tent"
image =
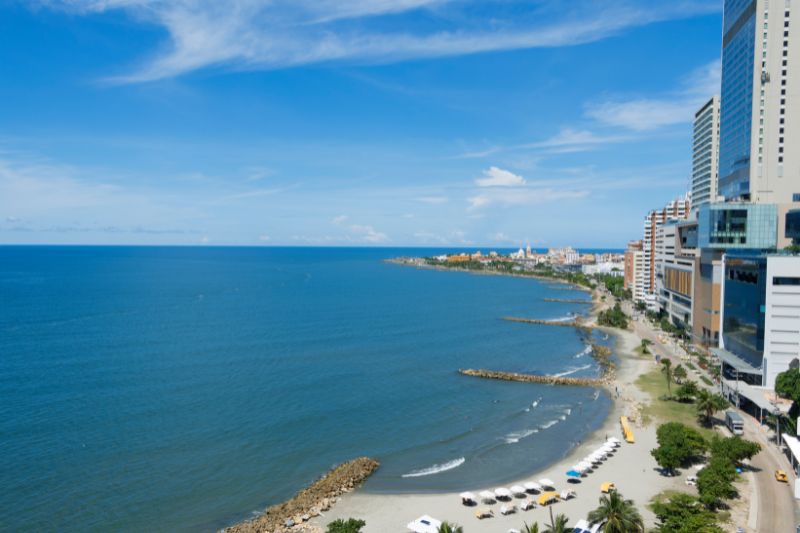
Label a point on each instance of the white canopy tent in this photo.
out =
(425, 524)
(532, 485)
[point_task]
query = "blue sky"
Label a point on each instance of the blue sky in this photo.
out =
(344, 122)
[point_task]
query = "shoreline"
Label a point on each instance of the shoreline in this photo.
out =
(631, 468)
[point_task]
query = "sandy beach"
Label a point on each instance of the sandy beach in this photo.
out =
(632, 468)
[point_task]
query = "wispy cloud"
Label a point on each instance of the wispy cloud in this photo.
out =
(523, 196)
(677, 107)
(497, 177)
(359, 232)
(433, 200)
(267, 34)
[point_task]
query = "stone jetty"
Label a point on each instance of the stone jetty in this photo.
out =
(293, 515)
(576, 323)
(532, 378)
(568, 301)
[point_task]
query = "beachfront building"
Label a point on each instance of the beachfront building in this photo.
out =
(634, 270)
(676, 262)
(760, 333)
(760, 104)
(705, 153)
(678, 209)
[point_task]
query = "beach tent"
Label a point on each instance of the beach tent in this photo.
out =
(487, 495)
(584, 466)
(607, 487)
(615, 441)
(548, 497)
(502, 492)
(508, 509)
(425, 524)
(544, 482)
(527, 504)
(518, 490)
(567, 494)
(467, 498)
(573, 473)
(480, 514)
(533, 486)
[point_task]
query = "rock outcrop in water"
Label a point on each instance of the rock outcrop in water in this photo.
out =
(532, 378)
(293, 514)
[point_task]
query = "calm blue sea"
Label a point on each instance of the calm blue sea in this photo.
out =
(182, 389)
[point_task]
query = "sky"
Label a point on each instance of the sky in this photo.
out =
(348, 123)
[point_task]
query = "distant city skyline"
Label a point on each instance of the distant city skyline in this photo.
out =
(411, 123)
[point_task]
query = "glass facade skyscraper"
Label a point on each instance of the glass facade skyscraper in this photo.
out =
(736, 109)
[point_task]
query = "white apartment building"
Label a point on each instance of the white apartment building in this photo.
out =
(705, 153)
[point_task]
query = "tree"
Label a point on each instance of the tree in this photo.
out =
(715, 482)
(679, 374)
(533, 528)
(686, 391)
(447, 527)
(709, 403)
(677, 444)
(734, 449)
(617, 514)
(682, 513)
(350, 526)
(667, 370)
(557, 525)
(614, 317)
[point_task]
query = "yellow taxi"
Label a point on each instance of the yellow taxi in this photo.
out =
(781, 476)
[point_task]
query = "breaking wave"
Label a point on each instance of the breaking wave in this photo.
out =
(436, 469)
(572, 371)
(515, 437)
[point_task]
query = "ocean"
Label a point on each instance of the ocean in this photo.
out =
(185, 388)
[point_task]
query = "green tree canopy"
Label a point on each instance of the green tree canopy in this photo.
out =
(558, 525)
(686, 391)
(351, 525)
(715, 482)
(709, 403)
(447, 527)
(677, 444)
(682, 513)
(666, 369)
(679, 373)
(617, 515)
(734, 449)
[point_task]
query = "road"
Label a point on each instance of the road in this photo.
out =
(777, 511)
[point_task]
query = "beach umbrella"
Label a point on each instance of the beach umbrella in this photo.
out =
(584, 465)
(467, 497)
(502, 492)
(517, 489)
(567, 494)
(532, 485)
(573, 473)
(486, 495)
(546, 482)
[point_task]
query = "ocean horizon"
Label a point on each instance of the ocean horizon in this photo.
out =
(186, 388)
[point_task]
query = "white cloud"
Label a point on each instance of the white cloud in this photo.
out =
(497, 177)
(641, 114)
(340, 219)
(368, 234)
(264, 238)
(266, 34)
(527, 196)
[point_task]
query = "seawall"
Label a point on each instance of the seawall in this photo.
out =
(532, 378)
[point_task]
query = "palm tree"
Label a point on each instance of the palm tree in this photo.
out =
(557, 525)
(679, 374)
(617, 514)
(533, 528)
(708, 403)
(667, 370)
(447, 527)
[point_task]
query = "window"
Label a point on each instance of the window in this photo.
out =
(796, 197)
(785, 280)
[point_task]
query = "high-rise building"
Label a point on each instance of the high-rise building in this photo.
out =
(676, 262)
(760, 104)
(678, 209)
(634, 269)
(705, 153)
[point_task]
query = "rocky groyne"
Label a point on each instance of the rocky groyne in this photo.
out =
(293, 515)
(576, 323)
(532, 378)
(568, 301)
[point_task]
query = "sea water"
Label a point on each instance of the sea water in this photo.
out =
(185, 388)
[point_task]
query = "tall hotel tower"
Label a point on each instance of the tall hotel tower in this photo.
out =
(759, 157)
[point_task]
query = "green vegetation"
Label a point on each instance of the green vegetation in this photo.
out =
(679, 374)
(617, 514)
(678, 445)
(683, 513)
(787, 385)
(351, 525)
(715, 482)
(707, 381)
(734, 449)
(707, 404)
(686, 392)
(614, 318)
(557, 525)
(614, 284)
(666, 369)
(533, 528)
(447, 527)
(662, 408)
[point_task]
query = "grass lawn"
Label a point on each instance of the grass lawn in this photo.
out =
(655, 385)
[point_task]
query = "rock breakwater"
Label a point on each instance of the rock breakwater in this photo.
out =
(293, 514)
(532, 378)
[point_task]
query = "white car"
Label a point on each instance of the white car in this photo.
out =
(691, 480)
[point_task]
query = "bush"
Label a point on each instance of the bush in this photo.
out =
(614, 318)
(677, 445)
(350, 526)
(682, 513)
(715, 482)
